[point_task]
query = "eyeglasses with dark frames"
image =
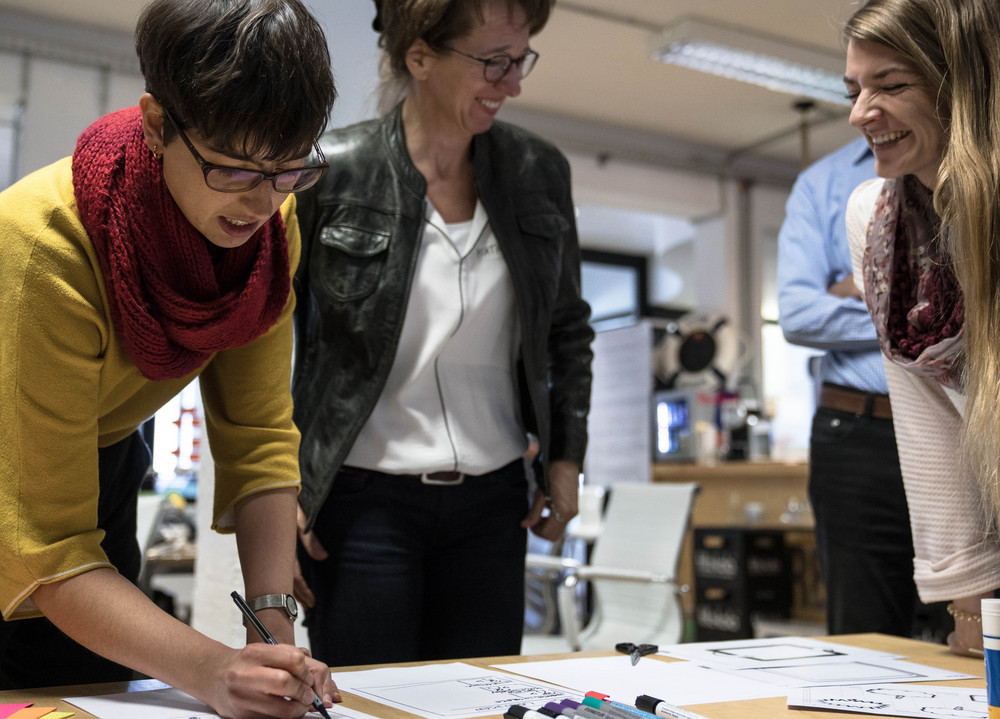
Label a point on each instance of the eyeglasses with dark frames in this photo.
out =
(223, 178)
(496, 68)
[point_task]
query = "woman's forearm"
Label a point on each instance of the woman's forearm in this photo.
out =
(265, 538)
(109, 615)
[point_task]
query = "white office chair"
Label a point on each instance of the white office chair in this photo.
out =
(586, 525)
(632, 569)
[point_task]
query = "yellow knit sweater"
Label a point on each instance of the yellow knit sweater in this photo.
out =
(67, 388)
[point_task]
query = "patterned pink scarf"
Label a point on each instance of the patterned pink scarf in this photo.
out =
(910, 287)
(175, 298)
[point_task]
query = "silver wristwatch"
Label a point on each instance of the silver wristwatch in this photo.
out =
(275, 601)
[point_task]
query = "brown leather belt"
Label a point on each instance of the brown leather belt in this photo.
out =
(447, 479)
(865, 404)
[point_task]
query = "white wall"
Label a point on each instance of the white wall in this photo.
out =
(620, 445)
(354, 53)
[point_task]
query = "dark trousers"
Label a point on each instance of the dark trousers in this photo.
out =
(33, 652)
(862, 524)
(418, 572)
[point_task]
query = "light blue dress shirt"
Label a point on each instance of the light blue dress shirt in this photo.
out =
(812, 255)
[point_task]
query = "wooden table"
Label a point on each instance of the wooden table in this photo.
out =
(772, 708)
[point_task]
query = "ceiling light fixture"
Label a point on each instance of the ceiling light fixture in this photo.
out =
(757, 59)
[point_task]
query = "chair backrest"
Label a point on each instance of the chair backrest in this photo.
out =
(643, 528)
(590, 516)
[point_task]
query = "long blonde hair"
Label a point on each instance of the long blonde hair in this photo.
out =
(956, 45)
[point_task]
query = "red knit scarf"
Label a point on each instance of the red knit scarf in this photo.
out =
(172, 304)
(926, 304)
(910, 288)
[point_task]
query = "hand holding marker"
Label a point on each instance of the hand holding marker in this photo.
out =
(317, 703)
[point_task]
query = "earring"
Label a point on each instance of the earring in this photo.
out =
(155, 156)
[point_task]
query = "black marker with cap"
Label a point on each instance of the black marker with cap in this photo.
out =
(663, 709)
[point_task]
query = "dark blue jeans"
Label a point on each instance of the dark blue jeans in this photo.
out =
(862, 524)
(33, 652)
(418, 572)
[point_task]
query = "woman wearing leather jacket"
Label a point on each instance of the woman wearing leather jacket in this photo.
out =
(439, 322)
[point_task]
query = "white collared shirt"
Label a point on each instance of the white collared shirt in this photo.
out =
(450, 401)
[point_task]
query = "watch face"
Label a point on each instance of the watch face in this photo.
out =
(291, 606)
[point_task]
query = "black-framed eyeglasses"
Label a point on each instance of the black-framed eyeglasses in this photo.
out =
(496, 68)
(223, 178)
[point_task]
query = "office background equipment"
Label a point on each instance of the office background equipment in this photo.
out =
(741, 574)
(677, 416)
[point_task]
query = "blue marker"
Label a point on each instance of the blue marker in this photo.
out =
(991, 649)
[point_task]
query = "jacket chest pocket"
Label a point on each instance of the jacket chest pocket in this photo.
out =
(544, 236)
(351, 258)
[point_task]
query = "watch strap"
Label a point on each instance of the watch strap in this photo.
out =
(284, 602)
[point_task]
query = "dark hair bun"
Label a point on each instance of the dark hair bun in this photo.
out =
(377, 22)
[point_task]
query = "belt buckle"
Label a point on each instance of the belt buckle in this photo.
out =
(426, 478)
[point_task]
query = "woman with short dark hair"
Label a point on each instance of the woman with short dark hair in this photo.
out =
(161, 251)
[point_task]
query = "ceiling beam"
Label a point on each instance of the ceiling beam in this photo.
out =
(574, 134)
(69, 42)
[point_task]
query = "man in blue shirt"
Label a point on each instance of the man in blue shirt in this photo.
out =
(855, 486)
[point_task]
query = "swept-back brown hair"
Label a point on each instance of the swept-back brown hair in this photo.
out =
(436, 22)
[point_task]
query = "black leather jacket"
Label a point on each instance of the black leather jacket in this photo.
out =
(361, 229)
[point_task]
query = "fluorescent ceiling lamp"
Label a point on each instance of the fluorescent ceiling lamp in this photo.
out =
(756, 59)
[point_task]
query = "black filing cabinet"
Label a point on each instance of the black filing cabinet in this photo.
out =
(740, 574)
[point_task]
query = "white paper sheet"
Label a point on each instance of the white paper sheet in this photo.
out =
(679, 683)
(826, 673)
(155, 704)
(805, 661)
(924, 701)
(171, 704)
(688, 683)
(449, 690)
(773, 651)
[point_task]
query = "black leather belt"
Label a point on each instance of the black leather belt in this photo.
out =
(865, 404)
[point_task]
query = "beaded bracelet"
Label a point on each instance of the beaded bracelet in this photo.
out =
(959, 614)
